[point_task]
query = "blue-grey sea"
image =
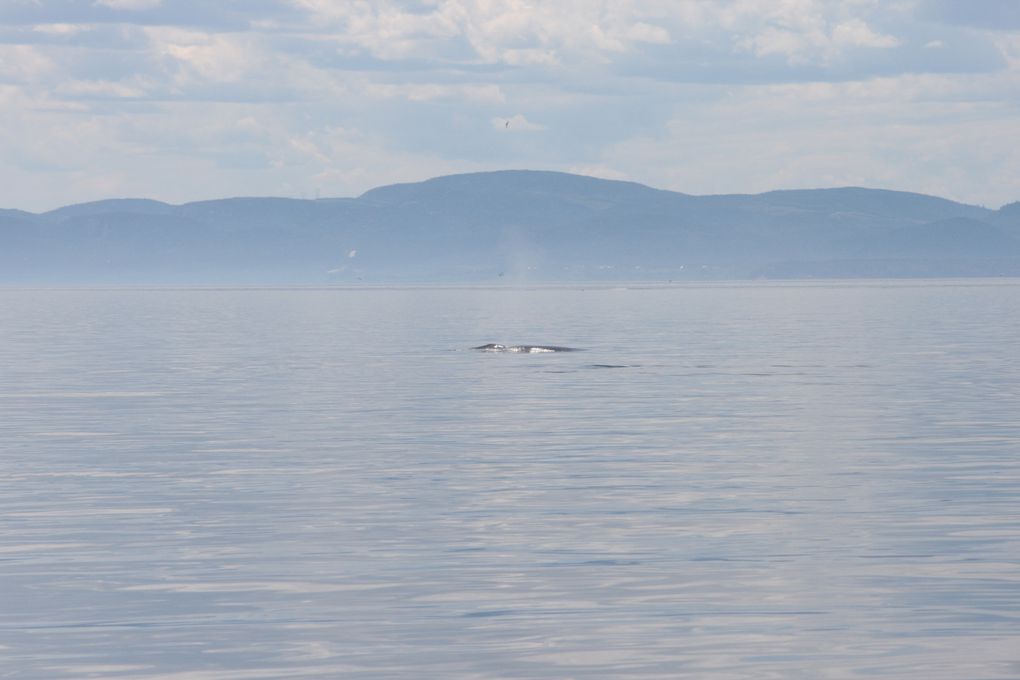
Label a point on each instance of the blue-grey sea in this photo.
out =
(804, 480)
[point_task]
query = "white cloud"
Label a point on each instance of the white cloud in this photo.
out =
(647, 33)
(516, 123)
(514, 32)
(856, 33)
(100, 89)
(803, 31)
(25, 63)
(216, 58)
(700, 95)
(424, 92)
(61, 29)
(129, 4)
(882, 134)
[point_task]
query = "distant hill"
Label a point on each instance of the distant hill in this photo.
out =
(515, 225)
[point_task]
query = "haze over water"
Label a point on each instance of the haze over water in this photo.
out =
(801, 480)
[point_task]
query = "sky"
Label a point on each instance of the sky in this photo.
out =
(182, 100)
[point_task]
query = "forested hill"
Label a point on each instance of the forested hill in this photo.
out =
(523, 226)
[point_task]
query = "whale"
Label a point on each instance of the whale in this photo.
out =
(523, 349)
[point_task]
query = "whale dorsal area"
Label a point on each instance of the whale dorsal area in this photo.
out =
(523, 349)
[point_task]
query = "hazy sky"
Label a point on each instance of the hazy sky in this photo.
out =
(188, 99)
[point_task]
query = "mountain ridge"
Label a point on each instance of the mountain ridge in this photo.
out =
(519, 225)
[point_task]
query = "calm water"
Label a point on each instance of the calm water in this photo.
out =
(775, 481)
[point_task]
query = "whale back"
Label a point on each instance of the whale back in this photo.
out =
(523, 349)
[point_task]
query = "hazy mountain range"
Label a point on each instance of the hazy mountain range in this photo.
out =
(523, 226)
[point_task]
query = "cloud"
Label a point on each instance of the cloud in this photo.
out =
(424, 92)
(100, 89)
(811, 37)
(214, 58)
(61, 29)
(129, 4)
(219, 15)
(889, 133)
(856, 33)
(513, 33)
(24, 64)
(647, 33)
(517, 123)
(193, 98)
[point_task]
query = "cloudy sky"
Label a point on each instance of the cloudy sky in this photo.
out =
(189, 99)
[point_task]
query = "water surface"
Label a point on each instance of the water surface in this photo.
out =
(805, 480)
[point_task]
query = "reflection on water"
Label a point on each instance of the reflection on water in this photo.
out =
(779, 481)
